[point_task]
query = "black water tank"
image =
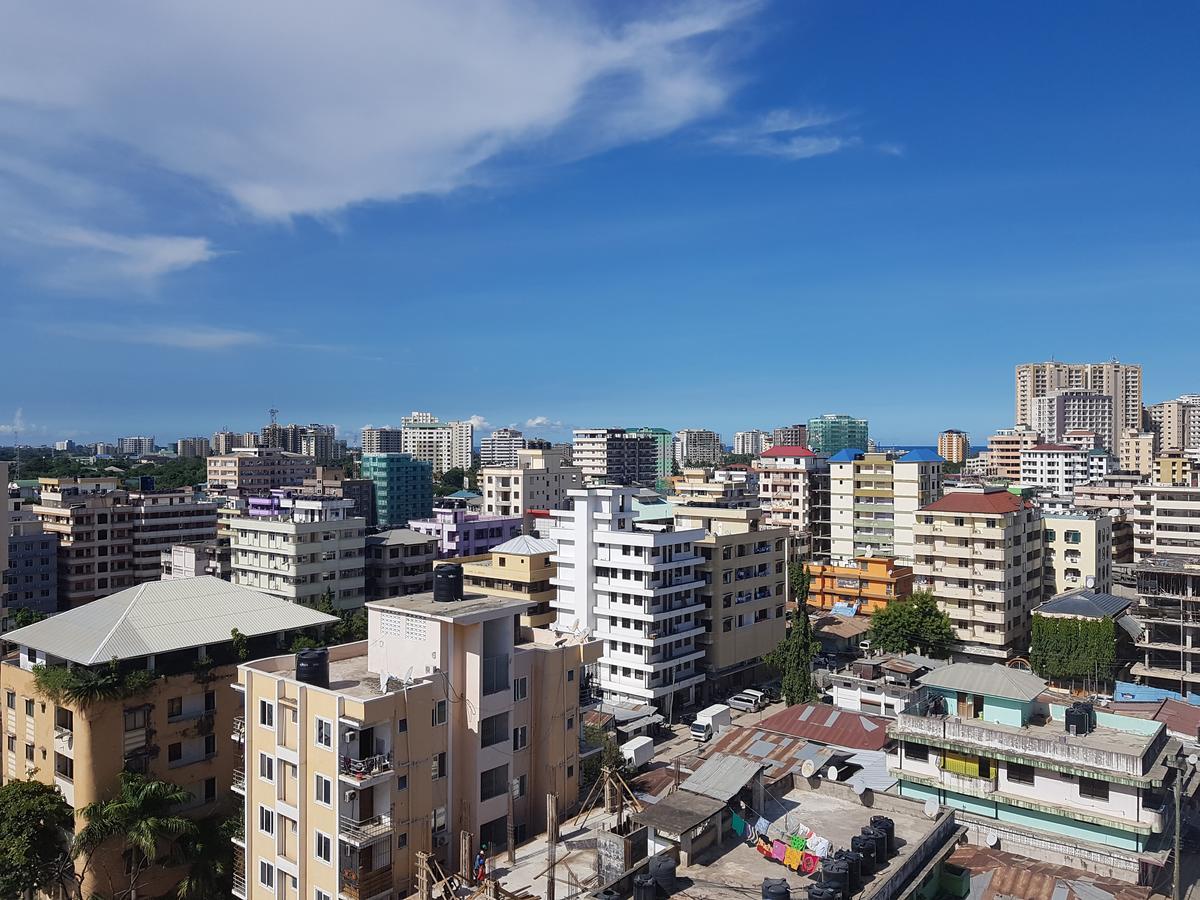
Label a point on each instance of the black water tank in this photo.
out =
(835, 872)
(825, 892)
(864, 846)
(880, 839)
(776, 889)
(608, 894)
(853, 863)
(888, 827)
(663, 868)
(448, 583)
(644, 887)
(1080, 718)
(312, 667)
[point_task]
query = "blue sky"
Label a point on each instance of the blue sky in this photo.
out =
(727, 215)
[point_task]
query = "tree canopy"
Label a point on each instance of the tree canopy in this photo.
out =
(792, 657)
(1074, 648)
(34, 824)
(917, 623)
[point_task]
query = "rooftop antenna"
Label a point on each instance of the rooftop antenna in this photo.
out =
(274, 412)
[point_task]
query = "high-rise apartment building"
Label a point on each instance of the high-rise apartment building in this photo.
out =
(1005, 448)
(319, 444)
(138, 445)
(751, 443)
(697, 447)
(1177, 467)
(331, 481)
(790, 436)
(403, 487)
(94, 526)
(617, 456)
(832, 434)
(873, 502)
(311, 546)
(444, 445)
(540, 479)
(1176, 422)
(743, 571)
(258, 469)
(501, 448)
(954, 446)
(162, 518)
(192, 447)
(30, 560)
(399, 562)
(980, 553)
(664, 452)
(636, 587)
(1166, 521)
(1059, 467)
(1078, 551)
(171, 641)
(1059, 412)
(1136, 451)
(793, 489)
(1120, 381)
(382, 440)
(449, 720)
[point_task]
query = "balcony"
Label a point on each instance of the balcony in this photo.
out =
(239, 885)
(359, 885)
(238, 732)
(366, 767)
(64, 739)
(495, 675)
(239, 781)
(360, 832)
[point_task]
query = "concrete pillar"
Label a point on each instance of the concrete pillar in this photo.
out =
(758, 794)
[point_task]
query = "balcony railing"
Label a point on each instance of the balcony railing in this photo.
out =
(363, 831)
(239, 728)
(239, 780)
(367, 766)
(239, 884)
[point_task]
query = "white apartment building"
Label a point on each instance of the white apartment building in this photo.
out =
(873, 502)
(793, 488)
(444, 445)
(697, 447)
(751, 443)
(312, 546)
(615, 456)
(1059, 467)
(1078, 551)
(1058, 412)
(980, 553)
(382, 440)
(1120, 381)
(1166, 521)
(138, 445)
(501, 448)
(161, 519)
(190, 448)
(540, 479)
(636, 588)
(1177, 422)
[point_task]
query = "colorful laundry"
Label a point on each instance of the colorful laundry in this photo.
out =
(792, 858)
(778, 850)
(796, 842)
(739, 825)
(762, 825)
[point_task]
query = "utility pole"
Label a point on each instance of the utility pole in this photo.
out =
(1182, 766)
(512, 832)
(551, 841)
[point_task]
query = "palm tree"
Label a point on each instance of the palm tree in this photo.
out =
(208, 849)
(143, 815)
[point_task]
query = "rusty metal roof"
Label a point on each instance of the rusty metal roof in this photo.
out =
(997, 875)
(827, 724)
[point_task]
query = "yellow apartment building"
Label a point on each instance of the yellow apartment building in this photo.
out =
(518, 569)
(870, 584)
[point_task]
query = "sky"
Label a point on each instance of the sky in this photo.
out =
(713, 214)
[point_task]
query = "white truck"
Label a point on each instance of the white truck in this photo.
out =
(710, 722)
(638, 751)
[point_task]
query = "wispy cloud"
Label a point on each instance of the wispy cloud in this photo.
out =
(543, 422)
(179, 337)
(479, 423)
(788, 134)
(139, 258)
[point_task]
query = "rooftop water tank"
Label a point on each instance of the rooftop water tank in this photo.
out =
(312, 667)
(448, 583)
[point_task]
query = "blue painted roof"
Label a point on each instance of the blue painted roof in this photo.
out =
(465, 495)
(847, 455)
(1126, 691)
(921, 456)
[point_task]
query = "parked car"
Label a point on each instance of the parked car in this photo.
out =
(748, 700)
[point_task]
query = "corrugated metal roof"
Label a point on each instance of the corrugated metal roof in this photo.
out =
(828, 725)
(1085, 603)
(721, 776)
(525, 545)
(161, 616)
(992, 680)
(873, 771)
(399, 536)
(678, 812)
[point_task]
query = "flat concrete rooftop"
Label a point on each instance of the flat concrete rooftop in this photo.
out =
(473, 605)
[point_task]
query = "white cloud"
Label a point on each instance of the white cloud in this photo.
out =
(787, 134)
(307, 109)
(181, 337)
(17, 425)
(542, 422)
(137, 258)
(479, 423)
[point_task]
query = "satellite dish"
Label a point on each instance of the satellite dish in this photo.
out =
(931, 808)
(860, 788)
(808, 769)
(1193, 759)
(1089, 582)
(831, 773)
(992, 839)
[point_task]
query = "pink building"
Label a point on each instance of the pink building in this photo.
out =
(463, 533)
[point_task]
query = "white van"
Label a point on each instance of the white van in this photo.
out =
(748, 700)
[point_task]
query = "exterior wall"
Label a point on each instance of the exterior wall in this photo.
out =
(1175, 468)
(871, 583)
(1077, 547)
(258, 469)
(403, 487)
(395, 569)
(1136, 451)
(515, 576)
(462, 533)
(1166, 521)
(541, 479)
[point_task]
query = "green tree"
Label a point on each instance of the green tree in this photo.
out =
(34, 844)
(1074, 649)
(241, 645)
(208, 851)
(142, 815)
(452, 480)
(352, 624)
(22, 617)
(82, 687)
(913, 624)
(793, 656)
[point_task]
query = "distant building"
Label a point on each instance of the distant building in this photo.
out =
(403, 487)
(618, 456)
(258, 469)
(793, 488)
(320, 444)
(729, 489)
(191, 560)
(1136, 451)
(193, 447)
(1078, 552)
(1175, 467)
(697, 447)
(399, 562)
(329, 481)
(64, 446)
(30, 558)
(789, 436)
(664, 450)
(460, 532)
(832, 434)
(1060, 467)
(1176, 422)
(160, 519)
(1005, 448)
(540, 479)
(139, 445)
(865, 586)
(954, 446)
(444, 445)
(1166, 521)
(1121, 382)
(382, 440)
(750, 443)
(501, 448)
(1058, 412)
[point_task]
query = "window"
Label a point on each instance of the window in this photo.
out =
(439, 766)
(1019, 773)
(402, 840)
(29, 707)
(570, 675)
(520, 688)
(28, 752)
(439, 819)
(401, 726)
(917, 752)
(493, 782)
(266, 767)
(520, 737)
(727, 624)
(401, 782)
(570, 771)
(322, 790)
(319, 894)
(1093, 788)
(324, 733)
(493, 730)
(439, 712)
(12, 743)
(135, 719)
(570, 723)
(210, 745)
(210, 701)
(174, 752)
(324, 847)
(266, 713)
(266, 874)
(64, 766)
(522, 784)
(10, 699)
(210, 790)
(174, 707)
(266, 820)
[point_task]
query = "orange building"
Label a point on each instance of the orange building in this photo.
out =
(871, 583)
